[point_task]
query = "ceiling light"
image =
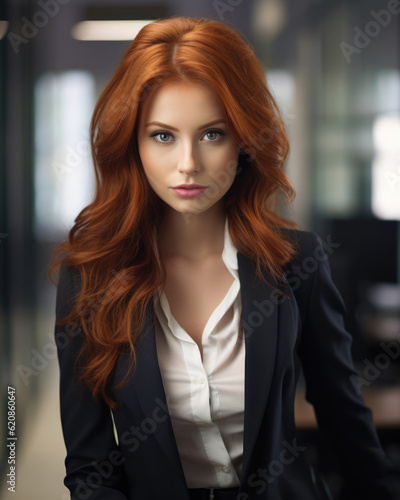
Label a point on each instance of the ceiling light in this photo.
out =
(107, 30)
(3, 28)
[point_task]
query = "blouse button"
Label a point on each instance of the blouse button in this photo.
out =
(226, 469)
(202, 380)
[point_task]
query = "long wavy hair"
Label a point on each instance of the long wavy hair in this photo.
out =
(111, 241)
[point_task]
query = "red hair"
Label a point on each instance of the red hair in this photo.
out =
(111, 241)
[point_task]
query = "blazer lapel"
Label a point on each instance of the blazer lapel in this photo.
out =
(260, 329)
(149, 389)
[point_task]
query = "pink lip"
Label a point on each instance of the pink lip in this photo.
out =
(189, 186)
(189, 190)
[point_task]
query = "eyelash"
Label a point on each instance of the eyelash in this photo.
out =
(159, 132)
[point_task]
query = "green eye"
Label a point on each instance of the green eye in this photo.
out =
(161, 134)
(212, 135)
(215, 134)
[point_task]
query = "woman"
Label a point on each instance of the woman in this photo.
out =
(186, 305)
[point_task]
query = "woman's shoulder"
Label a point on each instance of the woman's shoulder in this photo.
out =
(305, 243)
(311, 259)
(309, 243)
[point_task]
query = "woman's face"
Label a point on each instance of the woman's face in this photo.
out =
(183, 139)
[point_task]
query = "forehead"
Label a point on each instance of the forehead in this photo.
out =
(178, 100)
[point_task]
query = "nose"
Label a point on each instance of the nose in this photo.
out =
(188, 162)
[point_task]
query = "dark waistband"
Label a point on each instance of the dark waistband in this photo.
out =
(213, 493)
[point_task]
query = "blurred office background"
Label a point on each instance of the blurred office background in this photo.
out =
(334, 67)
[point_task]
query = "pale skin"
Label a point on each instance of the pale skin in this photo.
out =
(191, 235)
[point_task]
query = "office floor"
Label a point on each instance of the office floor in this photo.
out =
(41, 450)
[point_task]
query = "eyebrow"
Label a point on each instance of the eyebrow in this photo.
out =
(219, 120)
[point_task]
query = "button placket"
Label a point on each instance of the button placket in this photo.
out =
(198, 380)
(198, 384)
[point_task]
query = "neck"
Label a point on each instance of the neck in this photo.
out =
(192, 236)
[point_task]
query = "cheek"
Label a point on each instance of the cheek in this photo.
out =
(151, 162)
(225, 161)
(156, 154)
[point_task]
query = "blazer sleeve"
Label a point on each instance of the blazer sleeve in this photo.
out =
(332, 381)
(93, 462)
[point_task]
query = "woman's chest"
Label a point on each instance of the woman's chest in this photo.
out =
(195, 290)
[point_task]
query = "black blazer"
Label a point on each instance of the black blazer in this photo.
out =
(305, 328)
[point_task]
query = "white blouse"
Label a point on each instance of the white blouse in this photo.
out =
(206, 398)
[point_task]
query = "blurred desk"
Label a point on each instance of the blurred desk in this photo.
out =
(383, 401)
